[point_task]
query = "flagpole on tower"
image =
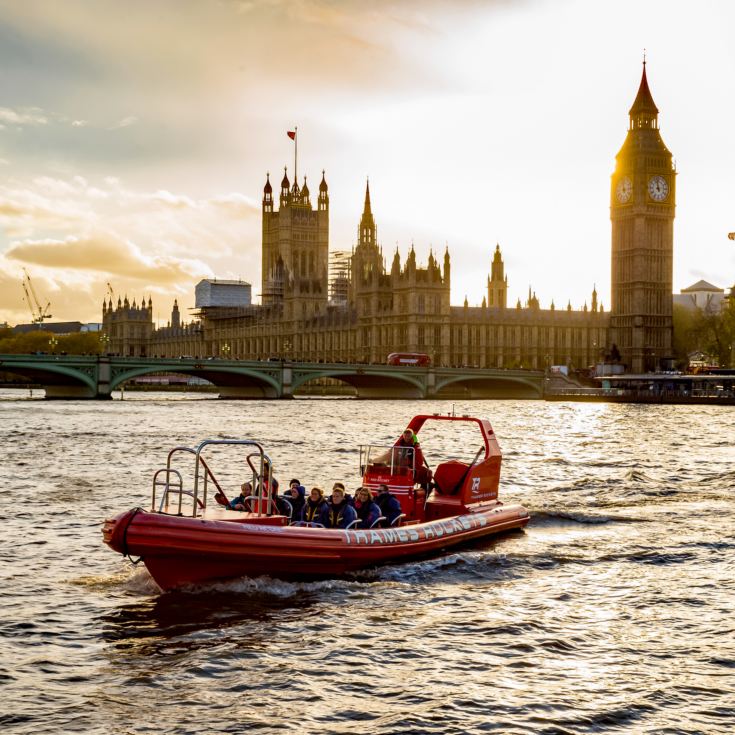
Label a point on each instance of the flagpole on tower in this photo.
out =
(293, 134)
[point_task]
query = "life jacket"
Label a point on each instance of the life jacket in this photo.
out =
(312, 509)
(336, 513)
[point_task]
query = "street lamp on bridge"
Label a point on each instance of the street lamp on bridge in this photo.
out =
(52, 343)
(225, 350)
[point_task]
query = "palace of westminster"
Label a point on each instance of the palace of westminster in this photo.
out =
(368, 310)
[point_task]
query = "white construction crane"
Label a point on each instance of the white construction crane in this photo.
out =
(38, 313)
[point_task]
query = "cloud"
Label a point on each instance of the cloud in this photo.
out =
(12, 209)
(23, 116)
(236, 204)
(168, 199)
(126, 122)
(109, 254)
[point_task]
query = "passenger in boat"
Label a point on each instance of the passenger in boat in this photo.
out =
(296, 495)
(389, 506)
(313, 507)
(347, 495)
(367, 510)
(338, 513)
(241, 502)
(270, 484)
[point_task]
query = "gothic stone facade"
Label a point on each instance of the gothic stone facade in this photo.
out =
(405, 308)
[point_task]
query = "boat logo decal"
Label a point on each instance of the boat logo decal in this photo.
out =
(475, 485)
(411, 534)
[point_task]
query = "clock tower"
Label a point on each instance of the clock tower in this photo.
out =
(642, 204)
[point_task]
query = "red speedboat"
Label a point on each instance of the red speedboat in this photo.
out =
(185, 538)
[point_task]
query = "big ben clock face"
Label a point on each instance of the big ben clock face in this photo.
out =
(658, 189)
(623, 190)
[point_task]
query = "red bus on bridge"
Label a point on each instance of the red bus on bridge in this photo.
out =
(409, 359)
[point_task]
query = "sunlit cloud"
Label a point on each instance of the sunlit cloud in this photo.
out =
(105, 253)
(24, 116)
(75, 235)
(168, 199)
(126, 122)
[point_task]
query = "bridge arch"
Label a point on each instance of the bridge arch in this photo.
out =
(229, 379)
(491, 386)
(368, 383)
(57, 378)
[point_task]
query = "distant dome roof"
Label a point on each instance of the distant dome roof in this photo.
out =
(702, 286)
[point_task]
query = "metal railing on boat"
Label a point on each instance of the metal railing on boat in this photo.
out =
(171, 482)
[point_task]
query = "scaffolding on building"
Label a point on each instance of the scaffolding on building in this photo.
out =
(273, 287)
(340, 264)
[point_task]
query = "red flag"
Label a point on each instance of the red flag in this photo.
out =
(291, 134)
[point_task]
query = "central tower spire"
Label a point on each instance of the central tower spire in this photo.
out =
(367, 235)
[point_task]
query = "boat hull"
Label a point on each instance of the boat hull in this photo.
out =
(182, 551)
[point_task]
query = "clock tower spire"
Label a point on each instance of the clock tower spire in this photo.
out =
(642, 207)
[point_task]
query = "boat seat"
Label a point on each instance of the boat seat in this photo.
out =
(448, 475)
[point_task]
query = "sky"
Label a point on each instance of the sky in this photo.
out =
(135, 138)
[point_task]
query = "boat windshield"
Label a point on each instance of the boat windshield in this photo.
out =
(382, 460)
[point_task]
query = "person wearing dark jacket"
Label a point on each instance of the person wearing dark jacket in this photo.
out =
(338, 512)
(388, 504)
(314, 506)
(367, 510)
(241, 502)
(296, 495)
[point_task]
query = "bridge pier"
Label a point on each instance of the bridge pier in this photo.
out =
(104, 374)
(430, 391)
(72, 393)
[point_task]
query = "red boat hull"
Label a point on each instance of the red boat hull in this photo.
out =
(180, 551)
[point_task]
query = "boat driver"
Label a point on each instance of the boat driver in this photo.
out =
(414, 458)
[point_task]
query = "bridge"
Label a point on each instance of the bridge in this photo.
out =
(97, 376)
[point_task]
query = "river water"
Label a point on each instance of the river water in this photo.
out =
(613, 612)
